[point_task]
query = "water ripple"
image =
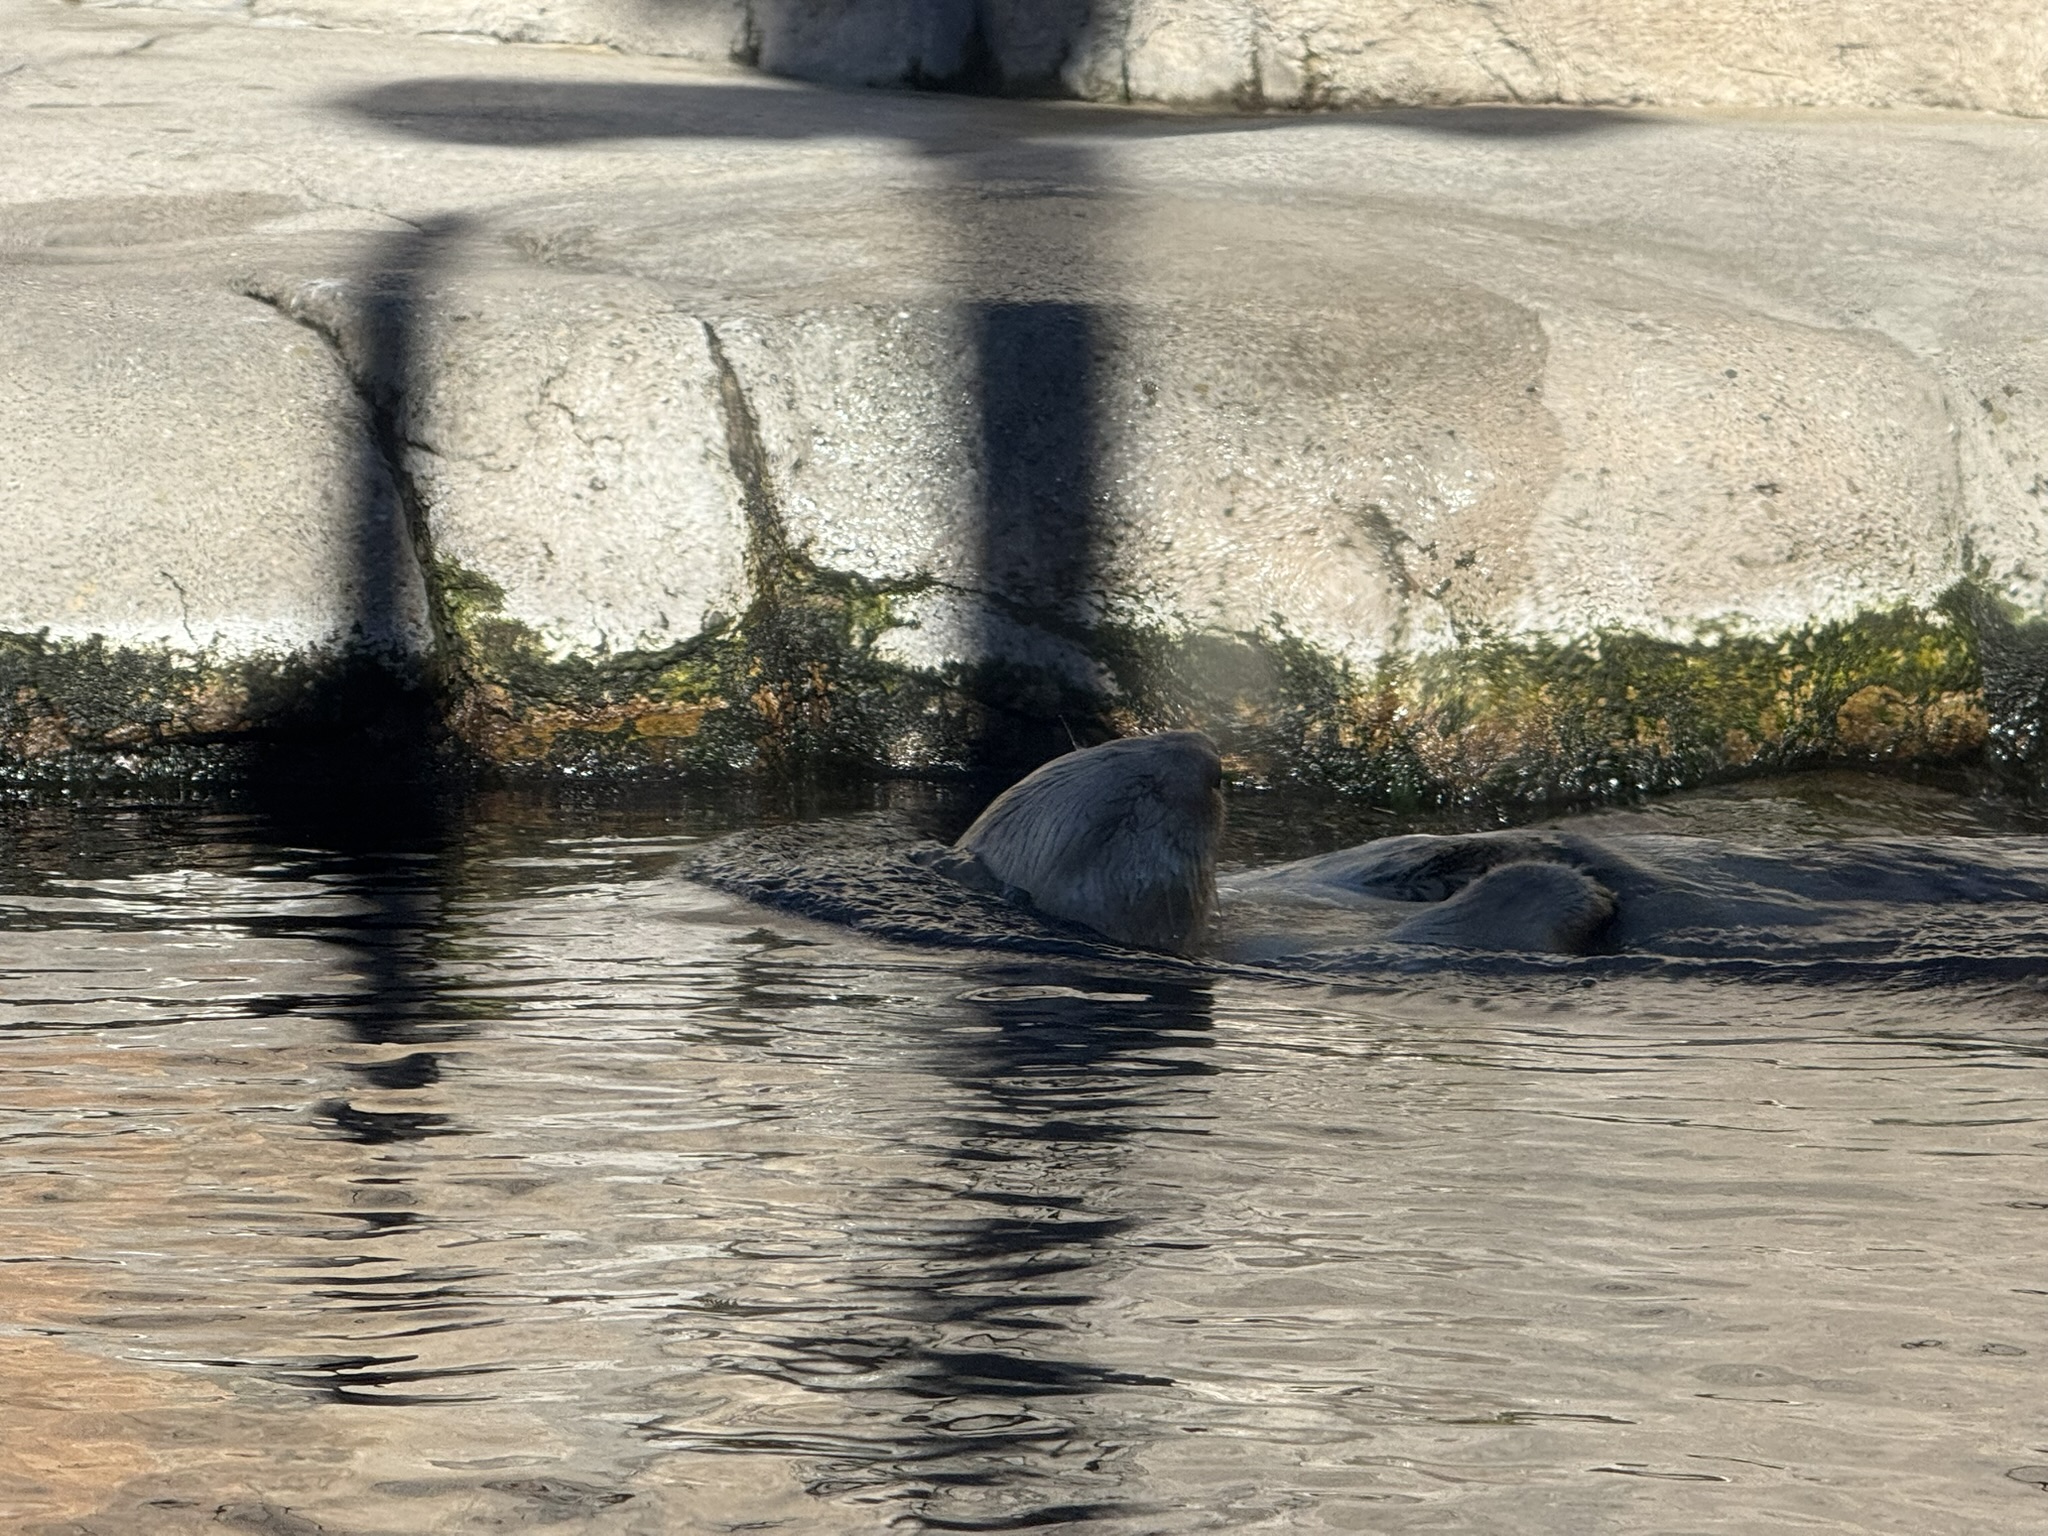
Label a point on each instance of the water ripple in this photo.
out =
(513, 1181)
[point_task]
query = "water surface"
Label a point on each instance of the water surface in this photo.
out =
(467, 1170)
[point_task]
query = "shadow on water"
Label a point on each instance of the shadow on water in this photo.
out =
(385, 849)
(368, 797)
(952, 1330)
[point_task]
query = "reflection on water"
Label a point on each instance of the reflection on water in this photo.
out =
(477, 1174)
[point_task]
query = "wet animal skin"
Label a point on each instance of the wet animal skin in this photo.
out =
(1122, 838)
(1118, 843)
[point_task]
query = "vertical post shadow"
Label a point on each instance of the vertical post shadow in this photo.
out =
(1038, 555)
(380, 352)
(394, 825)
(976, 1306)
(1037, 529)
(1037, 544)
(949, 1358)
(365, 786)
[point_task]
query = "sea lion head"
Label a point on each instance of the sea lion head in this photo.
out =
(1120, 838)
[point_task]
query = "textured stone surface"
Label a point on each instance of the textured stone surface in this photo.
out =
(1990, 56)
(730, 414)
(561, 435)
(1751, 53)
(184, 470)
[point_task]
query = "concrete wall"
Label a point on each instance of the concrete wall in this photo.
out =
(1741, 53)
(1990, 56)
(628, 410)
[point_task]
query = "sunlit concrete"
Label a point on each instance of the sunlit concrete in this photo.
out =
(1386, 382)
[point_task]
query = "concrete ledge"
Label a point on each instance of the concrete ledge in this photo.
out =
(184, 471)
(638, 415)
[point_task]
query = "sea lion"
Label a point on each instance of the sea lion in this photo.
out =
(1509, 891)
(1120, 841)
(1120, 838)
(1529, 906)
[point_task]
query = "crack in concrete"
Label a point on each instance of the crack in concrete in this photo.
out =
(184, 607)
(769, 552)
(547, 396)
(1507, 38)
(387, 441)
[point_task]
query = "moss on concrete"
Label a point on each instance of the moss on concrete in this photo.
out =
(799, 683)
(72, 709)
(2013, 655)
(1610, 717)
(794, 684)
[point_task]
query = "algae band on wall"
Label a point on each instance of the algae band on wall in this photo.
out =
(799, 685)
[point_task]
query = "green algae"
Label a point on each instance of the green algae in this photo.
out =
(799, 684)
(796, 684)
(1615, 715)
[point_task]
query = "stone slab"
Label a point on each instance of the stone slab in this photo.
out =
(648, 350)
(1990, 56)
(184, 470)
(561, 436)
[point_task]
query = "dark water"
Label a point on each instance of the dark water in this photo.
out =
(465, 1170)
